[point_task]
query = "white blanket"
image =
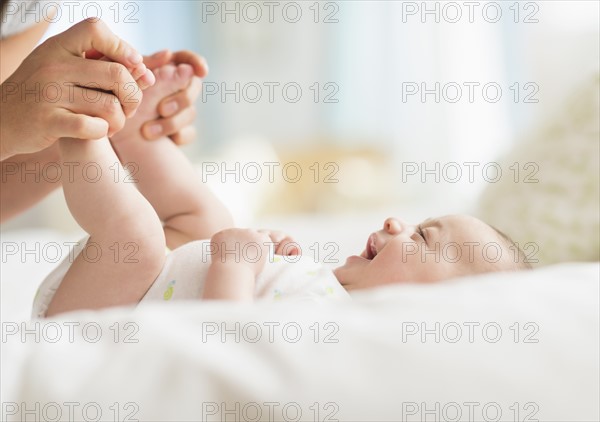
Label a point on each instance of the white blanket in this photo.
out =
(522, 344)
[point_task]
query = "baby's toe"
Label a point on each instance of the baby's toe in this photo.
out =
(165, 73)
(185, 70)
(184, 74)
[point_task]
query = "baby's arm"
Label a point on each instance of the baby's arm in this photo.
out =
(232, 275)
(163, 174)
(125, 251)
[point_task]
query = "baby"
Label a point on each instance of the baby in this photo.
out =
(130, 218)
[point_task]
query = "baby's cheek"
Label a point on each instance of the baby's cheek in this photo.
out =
(390, 267)
(424, 268)
(448, 268)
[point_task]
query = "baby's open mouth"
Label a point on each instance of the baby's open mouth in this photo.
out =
(371, 250)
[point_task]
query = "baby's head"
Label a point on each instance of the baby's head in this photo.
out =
(436, 249)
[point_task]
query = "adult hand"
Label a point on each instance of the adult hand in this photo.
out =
(57, 92)
(177, 111)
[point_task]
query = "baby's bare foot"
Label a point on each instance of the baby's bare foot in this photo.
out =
(169, 80)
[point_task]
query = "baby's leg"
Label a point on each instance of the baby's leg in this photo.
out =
(189, 210)
(125, 251)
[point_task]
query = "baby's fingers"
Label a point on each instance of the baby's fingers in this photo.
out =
(288, 247)
(283, 244)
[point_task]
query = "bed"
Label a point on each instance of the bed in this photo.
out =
(500, 347)
(505, 346)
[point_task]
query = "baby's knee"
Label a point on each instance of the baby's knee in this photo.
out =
(145, 242)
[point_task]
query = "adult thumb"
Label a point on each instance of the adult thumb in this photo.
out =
(93, 34)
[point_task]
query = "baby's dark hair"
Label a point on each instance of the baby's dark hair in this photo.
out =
(519, 259)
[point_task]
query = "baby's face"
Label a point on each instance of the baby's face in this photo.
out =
(434, 250)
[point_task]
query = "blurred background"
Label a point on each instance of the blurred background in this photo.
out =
(353, 102)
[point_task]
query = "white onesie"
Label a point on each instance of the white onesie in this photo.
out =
(297, 278)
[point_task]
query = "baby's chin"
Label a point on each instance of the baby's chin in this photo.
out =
(339, 274)
(353, 262)
(350, 270)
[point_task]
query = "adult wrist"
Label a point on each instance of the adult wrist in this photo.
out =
(5, 140)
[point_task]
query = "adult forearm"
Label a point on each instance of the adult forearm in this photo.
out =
(14, 49)
(5, 151)
(26, 180)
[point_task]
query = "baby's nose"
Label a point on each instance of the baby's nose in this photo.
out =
(394, 225)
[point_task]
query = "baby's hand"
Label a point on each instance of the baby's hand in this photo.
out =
(169, 80)
(245, 247)
(284, 244)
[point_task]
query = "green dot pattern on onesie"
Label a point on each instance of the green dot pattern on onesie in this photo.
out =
(170, 289)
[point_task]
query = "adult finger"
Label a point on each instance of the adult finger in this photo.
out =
(107, 76)
(181, 99)
(146, 80)
(158, 59)
(196, 61)
(169, 126)
(93, 34)
(78, 126)
(96, 104)
(142, 75)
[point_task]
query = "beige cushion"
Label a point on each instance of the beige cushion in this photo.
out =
(560, 211)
